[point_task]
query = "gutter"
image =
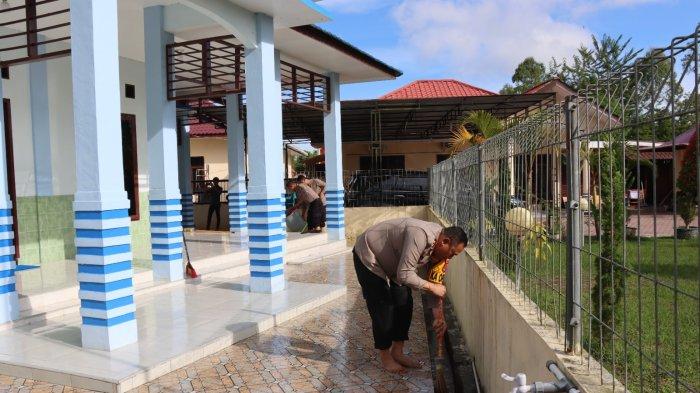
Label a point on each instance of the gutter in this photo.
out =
(341, 45)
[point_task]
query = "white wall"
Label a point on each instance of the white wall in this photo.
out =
(61, 123)
(17, 90)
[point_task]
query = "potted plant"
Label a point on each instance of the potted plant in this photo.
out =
(687, 193)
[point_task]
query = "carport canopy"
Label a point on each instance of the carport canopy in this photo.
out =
(413, 119)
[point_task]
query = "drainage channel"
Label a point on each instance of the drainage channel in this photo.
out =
(455, 371)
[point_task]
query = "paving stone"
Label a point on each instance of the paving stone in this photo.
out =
(326, 349)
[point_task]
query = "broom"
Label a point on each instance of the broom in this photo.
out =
(189, 269)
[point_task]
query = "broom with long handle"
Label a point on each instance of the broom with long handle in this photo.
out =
(189, 269)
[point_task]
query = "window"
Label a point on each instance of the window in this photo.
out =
(5, 72)
(197, 166)
(388, 162)
(130, 162)
(130, 91)
(442, 157)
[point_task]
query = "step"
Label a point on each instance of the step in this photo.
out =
(317, 252)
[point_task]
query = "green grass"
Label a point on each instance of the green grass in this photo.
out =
(653, 304)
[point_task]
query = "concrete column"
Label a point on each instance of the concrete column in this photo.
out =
(9, 307)
(237, 193)
(102, 237)
(332, 143)
(185, 172)
(164, 193)
(264, 116)
(41, 129)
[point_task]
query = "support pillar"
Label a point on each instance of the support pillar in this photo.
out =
(41, 129)
(185, 171)
(264, 116)
(237, 192)
(9, 307)
(102, 222)
(332, 142)
(164, 193)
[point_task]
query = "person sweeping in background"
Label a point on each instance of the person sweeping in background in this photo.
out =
(388, 257)
(308, 200)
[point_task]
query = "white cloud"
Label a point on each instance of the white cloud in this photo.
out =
(579, 8)
(482, 41)
(355, 6)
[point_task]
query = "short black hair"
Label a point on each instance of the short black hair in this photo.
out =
(290, 182)
(215, 179)
(456, 235)
(301, 177)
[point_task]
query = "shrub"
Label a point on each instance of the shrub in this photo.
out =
(687, 193)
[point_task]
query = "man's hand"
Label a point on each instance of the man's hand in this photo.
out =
(438, 290)
(439, 325)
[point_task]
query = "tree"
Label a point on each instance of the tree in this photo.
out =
(606, 55)
(528, 74)
(299, 164)
(607, 166)
(687, 194)
(473, 129)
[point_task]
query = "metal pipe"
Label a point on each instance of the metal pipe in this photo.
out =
(573, 272)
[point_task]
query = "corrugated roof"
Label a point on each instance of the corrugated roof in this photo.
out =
(436, 88)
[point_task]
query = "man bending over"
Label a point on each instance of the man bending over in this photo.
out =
(387, 259)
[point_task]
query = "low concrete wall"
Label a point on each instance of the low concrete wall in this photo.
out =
(358, 219)
(503, 332)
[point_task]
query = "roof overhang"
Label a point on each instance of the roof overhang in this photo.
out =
(424, 119)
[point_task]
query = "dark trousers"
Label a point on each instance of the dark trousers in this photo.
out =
(314, 215)
(390, 306)
(214, 209)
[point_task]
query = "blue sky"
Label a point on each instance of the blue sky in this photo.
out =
(481, 41)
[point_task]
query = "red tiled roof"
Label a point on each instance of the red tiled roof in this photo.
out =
(436, 88)
(201, 130)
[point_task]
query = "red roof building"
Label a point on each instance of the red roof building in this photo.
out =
(206, 130)
(436, 88)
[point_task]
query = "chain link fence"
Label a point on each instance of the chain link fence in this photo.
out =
(589, 210)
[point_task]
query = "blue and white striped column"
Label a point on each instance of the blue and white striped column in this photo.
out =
(103, 242)
(103, 245)
(164, 192)
(264, 116)
(332, 140)
(237, 192)
(9, 307)
(185, 172)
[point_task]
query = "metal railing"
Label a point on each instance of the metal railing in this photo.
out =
(200, 191)
(589, 210)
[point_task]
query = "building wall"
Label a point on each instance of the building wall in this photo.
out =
(418, 155)
(215, 153)
(45, 223)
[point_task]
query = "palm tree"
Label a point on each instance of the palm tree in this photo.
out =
(473, 129)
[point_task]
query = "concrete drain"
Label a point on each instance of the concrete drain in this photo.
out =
(459, 370)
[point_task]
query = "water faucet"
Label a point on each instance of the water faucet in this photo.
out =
(562, 383)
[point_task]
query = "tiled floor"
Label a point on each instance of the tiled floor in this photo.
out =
(328, 349)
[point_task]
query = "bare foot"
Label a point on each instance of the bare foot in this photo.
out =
(405, 360)
(389, 363)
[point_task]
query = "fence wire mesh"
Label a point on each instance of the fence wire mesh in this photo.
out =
(589, 210)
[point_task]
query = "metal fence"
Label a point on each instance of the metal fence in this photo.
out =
(589, 210)
(201, 190)
(386, 187)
